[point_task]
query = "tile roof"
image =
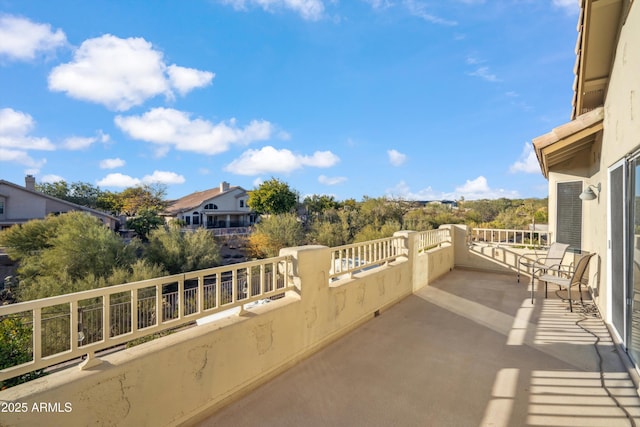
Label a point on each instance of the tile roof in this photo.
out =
(193, 200)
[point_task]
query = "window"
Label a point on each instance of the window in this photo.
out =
(210, 206)
(187, 220)
(1, 207)
(569, 214)
(242, 203)
(196, 218)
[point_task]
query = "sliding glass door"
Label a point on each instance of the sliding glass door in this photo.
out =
(633, 256)
(617, 248)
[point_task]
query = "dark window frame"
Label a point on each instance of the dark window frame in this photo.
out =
(569, 214)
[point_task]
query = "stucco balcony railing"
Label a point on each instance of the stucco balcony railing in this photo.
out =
(74, 325)
(84, 323)
(454, 339)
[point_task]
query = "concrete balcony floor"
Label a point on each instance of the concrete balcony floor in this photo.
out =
(470, 350)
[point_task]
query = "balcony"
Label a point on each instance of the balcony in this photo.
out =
(468, 350)
(419, 329)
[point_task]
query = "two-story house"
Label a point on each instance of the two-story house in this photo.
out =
(20, 204)
(220, 207)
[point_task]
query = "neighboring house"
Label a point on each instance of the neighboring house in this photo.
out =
(20, 204)
(221, 207)
(593, 163)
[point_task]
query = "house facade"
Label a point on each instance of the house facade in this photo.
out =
(593, 163)
(221, 207)
(20, 204)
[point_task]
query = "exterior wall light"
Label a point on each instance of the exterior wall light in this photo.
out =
(589, 194)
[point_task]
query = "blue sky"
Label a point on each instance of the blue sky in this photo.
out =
(413, 99)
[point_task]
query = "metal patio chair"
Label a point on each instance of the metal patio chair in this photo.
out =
(575, 277)
(542, 264)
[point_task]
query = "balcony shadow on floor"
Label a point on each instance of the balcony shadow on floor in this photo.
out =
(470, 350)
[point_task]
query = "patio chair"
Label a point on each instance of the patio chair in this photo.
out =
(542, 264)
(575, 277)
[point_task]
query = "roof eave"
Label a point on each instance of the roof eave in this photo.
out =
(566, 140)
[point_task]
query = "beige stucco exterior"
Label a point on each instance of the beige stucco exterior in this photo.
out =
(21, 204)
(618, 69)
(220, 207)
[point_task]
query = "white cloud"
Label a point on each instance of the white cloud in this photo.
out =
(15, 127)
(271, 160)
(163, 177)
(172, 128)
(311, 10)
(396, 158)
(379, 4)
(528, 162)
(50, 179)
(118, 180)
(78, 142)
(471, 190)
(420, 9)
(186, 79)
(479, 189)
(571, 6)
(320, 159)
(158, 177)
(122, 73)
(326, 180)
(104, 137)
(22, 39)
(483, 73)
(22, 158)
(472, 60)
(403, 191)
(112, 163)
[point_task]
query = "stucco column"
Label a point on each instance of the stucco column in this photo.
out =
(311, 266)
(410, 245)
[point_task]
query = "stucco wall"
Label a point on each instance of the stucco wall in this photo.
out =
(170, 380)
(228, 202)
(22, 204)
(620, 137)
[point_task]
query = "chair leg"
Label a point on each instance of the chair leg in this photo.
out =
(580, 290)
(570, 302)
(532, 290)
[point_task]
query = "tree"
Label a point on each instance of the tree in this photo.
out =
(57, 254)
(111, 202)
(144, 222)
(370, 232)
(15, 349)
(58, 189)
(273, 197)
(274, 233)
(80, 193)
(379, 211)
(317, 205)
(327, 233)
(179, 251)
(418, 220)
(147, 196)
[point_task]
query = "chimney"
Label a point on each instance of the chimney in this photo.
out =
(30, 182)
(224, 186)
